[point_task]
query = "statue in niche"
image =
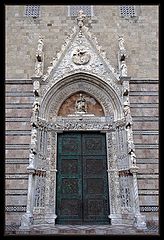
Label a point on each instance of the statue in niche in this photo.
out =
(80, 56)
(80, 18)
(80, 105)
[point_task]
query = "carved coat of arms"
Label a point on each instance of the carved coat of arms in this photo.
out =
(80, 56)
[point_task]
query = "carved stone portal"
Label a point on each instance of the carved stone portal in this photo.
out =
(103, 101)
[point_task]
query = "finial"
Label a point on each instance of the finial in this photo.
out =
(80, 18)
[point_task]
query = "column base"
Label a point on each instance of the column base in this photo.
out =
(115, 219)
(140, 221)
(26, 221)
(50, 218)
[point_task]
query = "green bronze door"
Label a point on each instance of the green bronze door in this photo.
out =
(82, 189)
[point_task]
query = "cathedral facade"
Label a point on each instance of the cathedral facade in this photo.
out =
(81, 115)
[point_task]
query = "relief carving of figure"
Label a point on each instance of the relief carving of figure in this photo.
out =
(81, 105)
(80, 56)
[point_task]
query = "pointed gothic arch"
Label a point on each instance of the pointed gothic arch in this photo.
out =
(103, 92)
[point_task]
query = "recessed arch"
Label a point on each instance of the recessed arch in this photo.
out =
(96, 87)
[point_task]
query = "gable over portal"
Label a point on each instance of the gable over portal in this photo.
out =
(81, 65)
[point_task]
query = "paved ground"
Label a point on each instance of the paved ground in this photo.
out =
(82, 230)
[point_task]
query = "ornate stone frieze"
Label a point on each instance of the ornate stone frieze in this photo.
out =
(39, 190)
(109, 150)
(80, 123)
(125, 180)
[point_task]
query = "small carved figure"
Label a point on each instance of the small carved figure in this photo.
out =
(40, 46)
(35, 107)
(80, 18)
(125, 88)
(33, 139)
(133, 158)
(80, 105)
(36, 87)
(127, 114)
(34, 119)
(38, 69)
(121, 44)
(123, 69)
(31, 159)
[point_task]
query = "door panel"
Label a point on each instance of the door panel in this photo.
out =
(82, 196)
(95, 194)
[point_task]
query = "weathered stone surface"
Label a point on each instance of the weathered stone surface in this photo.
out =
(147, 153)
(17, 153)
(17, 126)
(145, 125)
(18, 113)
(137, 45)
(17, 139)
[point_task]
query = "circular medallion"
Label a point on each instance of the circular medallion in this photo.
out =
(80, 56)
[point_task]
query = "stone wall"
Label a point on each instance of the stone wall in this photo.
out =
(144, 109)
(54, 24)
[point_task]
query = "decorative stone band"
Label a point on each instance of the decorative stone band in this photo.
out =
(92, 123)
(11, 208)
(149, 208)
(40, 172)
(125, 173)
(22, 208)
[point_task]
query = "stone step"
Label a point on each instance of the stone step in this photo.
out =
(82, 230)
(47, 229)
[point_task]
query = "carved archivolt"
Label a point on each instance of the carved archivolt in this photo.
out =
(102, 92)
